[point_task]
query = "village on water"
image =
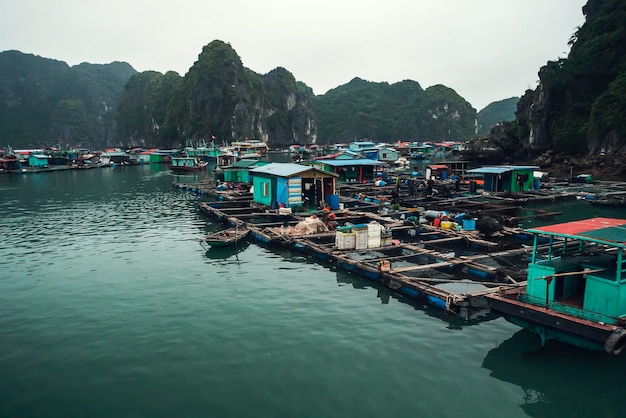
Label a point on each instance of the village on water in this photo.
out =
(413, 217)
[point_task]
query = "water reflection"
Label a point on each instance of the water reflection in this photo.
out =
(560, 380)
(221, 253)
(386, 295)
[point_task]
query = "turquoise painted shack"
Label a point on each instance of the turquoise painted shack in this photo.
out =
(360, 146)
(239, 171)
(38, 160)
(291, 185)
(507, 178)
(360, 170)
(575, 290)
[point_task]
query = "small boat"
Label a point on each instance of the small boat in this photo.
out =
(573, 292)
(226, 237)
(185, 164)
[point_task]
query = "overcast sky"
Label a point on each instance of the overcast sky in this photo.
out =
(486, 50)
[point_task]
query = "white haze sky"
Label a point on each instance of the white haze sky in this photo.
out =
(486, 50)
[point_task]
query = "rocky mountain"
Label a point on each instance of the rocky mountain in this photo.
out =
(496, 112)
(45, 102)
(575, 115)
(220, 97)
(401, 111)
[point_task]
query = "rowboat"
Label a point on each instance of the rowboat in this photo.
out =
(225, 238)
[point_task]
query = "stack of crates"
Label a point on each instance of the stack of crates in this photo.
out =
(345, 239)
(374, 230)
(385, 239)
(361, 235)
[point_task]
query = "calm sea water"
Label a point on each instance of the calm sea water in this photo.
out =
(110, 307)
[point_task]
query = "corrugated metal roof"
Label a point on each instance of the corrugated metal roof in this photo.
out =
(243, 164)
(502, 169)
(489, 170)
(601, 229)
(287, 170)
(356, 162)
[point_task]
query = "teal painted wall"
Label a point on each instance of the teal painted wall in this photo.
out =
(261, 186)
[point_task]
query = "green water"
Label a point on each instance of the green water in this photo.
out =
(110, 307)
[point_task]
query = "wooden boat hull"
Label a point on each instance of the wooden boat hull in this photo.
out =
(558, 326)
(225, 238)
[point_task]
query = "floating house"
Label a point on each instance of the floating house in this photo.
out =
(239, 171)
(114, 157)
(439, 171)
(145, 156)
(418, 151)
(361, 170)
(382, 154)
(161, 156)
(341, 155)
(39, 160)
(291, 185)
(360, 146)
(507, 178)
(456, 167)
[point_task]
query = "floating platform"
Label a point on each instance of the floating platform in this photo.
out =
(450, 269)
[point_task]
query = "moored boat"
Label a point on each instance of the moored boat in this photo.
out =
(225, 238)
(185, 164)
(576, 287)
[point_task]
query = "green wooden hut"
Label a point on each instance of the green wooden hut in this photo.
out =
(38, 160)
(507, 178)
(239, 171)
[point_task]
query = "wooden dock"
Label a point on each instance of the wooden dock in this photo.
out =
(414, 269)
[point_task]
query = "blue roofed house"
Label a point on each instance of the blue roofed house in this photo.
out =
(351, 171)
(507, 178)
(291, 185)
(386, 154)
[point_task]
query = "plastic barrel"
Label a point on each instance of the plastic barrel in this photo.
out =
(333, 201)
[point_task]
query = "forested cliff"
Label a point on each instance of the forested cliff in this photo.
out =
(45, 102)
(218, 97)
(575, 116)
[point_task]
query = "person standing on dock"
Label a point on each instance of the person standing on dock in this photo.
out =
(411, 185)
(430, 185)
(394, 196)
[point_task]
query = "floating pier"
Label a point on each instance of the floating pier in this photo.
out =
(455, 278)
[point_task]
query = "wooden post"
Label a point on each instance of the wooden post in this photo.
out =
(548, 281)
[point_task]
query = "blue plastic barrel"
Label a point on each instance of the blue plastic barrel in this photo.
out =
(333, 201)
